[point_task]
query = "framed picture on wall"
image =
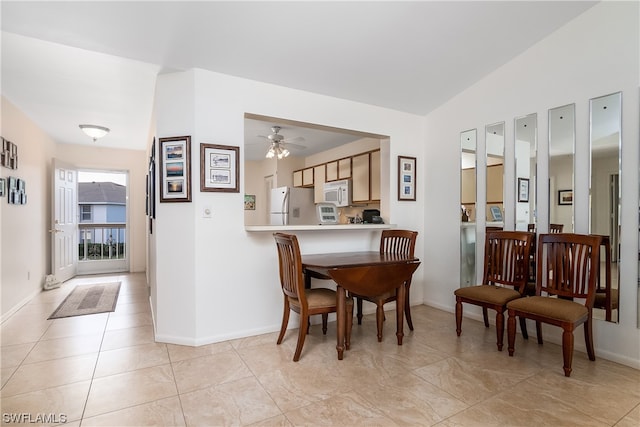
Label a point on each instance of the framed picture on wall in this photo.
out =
(406, 178)
(565, 197)
(175, 169)
(219, 168)
(523, 190)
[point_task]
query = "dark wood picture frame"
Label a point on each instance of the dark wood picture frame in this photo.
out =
(565, 197)
(175, 169)
(219, 168)
(406, 178)
(523, 190)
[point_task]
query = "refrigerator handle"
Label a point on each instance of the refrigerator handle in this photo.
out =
(285, 205)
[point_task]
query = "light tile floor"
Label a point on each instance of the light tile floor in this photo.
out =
(106, 370)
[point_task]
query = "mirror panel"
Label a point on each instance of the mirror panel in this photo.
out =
(562, 138)
(495, 175)
(468, 208)
(526, 149)
(605, 121)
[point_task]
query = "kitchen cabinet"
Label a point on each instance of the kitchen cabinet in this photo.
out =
(307, 177)
(495, 184)
(297, 178)
(361, 177)
(375, 175)
(319, 173)
(344, 168)
(332, 171)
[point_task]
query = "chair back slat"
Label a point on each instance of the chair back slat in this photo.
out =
(398, 242)
(506, 261)
(290, 262)
(568, 265)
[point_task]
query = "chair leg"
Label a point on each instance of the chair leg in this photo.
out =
(500, 328)
(588, 339)
(485, 316)
(539, 331)
(302, 334)
(523, 328)
(511, 332)
(325, 317)
(407, 310)
(359, 304)
(285, 320)
(458, 316)
(567, 351)
(380, 320)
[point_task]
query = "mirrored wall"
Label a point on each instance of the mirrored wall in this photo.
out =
(526, 149)
(495, 175)
(468, 208)
(562, 137)
(605, 121)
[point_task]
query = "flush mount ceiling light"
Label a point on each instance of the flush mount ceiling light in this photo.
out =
(94, 131)
(276, 150)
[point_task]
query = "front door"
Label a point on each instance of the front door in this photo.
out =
(64, 228)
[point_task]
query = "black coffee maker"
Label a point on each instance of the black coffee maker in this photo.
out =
(371, 216)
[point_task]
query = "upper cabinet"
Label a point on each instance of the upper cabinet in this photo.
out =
(361, 179)
(363, 169)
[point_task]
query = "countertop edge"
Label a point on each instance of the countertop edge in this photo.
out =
(344, 227)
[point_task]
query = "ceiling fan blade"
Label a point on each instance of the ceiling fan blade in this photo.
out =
(293, 140)
(290, 145)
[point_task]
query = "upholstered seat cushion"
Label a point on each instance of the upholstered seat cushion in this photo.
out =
(488, 294)
(316, 298)
(554, 308)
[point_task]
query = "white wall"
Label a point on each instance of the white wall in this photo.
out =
(595, 54)
(214, 280)
(24, 248)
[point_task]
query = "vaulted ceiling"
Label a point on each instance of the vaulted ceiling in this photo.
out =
(66, 63)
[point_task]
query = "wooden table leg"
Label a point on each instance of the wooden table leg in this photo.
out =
(340, 314)
(400, 298)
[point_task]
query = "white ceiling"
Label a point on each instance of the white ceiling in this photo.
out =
(67, 63)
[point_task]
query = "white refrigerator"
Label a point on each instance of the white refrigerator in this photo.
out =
(292, 206)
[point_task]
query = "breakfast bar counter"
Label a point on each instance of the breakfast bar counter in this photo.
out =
(344, 227)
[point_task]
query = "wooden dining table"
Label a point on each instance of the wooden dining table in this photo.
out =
(365, 273)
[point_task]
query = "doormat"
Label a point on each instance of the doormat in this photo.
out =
(89, 299)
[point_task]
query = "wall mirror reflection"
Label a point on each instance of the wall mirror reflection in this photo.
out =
(468, 208)
(495, 175)
(562, 137)
(526, 142)
(605, 145)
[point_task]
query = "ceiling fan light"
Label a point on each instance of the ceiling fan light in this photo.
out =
(285, 152)
(94, 131)
(271, 153)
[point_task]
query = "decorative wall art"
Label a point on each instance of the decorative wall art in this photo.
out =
(175, 169)
(523, 189)
(565, 197)
(219, 168)
(249, 202)
(3, 187)
(406, 178)
(9, 154)
(16, 191)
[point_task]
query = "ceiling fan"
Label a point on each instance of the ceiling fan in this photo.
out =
(279, 145)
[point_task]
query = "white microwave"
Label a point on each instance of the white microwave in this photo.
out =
(338, 192)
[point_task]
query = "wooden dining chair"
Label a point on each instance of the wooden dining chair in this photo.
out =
(506, 271)
(305, 302)
(607, 297)
(394, 242)
(556, 228)
(567, 267)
